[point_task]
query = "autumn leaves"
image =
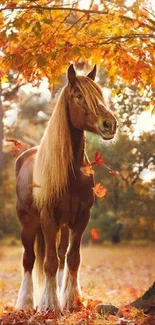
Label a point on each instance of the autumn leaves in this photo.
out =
(39, 40)
(17, 146)
(88, 170)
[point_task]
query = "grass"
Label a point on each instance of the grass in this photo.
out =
(110, 274)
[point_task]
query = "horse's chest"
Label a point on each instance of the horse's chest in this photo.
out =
(76, 201)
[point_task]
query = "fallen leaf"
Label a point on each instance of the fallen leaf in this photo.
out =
(111, 319)
(87, 170)
(94, 234)
(98, 159)
(99, 190)
(15, 152)
(125, 311)
(114, 172)
(111, 171)
(17, 146)
(16, 143)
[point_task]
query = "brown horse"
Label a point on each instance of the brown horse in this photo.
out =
(54, 197)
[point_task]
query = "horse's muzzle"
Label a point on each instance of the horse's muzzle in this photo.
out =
(107, 129)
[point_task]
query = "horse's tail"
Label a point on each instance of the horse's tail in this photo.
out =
(38, 278)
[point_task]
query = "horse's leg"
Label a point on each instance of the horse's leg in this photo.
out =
(62, 249)
(49, 298)
(25, 295)
(70, 293)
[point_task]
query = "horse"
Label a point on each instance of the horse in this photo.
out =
(54, 197)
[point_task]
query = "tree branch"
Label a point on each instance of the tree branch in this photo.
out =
(9, 94)
(71, 8)
(135, 179)
(108, 40)
(151, 13)
(124, 179)
(76, 22)
(58, 8)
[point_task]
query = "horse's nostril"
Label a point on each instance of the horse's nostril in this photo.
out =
(107, 125)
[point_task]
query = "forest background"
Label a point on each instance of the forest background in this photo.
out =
(38, 40)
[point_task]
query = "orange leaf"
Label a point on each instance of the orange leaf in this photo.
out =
(125, 311)
(17, 146)
(16, 143)
(11, 5)
(111, 319)
(99, 190)
(112, 171)
(87, 170)
(98, 159)
(15, 152)
(94, 234)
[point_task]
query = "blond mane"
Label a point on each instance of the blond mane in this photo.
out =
(92, 93)
(54, 157)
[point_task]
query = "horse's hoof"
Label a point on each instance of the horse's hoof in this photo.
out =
(107, 309)
(45, 308)
(71, 303)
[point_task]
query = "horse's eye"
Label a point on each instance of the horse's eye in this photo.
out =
(79, 96)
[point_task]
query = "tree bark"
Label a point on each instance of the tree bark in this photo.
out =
(1, 132)
(147, 301)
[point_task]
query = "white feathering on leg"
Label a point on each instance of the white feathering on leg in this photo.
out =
(70, 291)
(49, 300)
(25, 295)
(60, 278)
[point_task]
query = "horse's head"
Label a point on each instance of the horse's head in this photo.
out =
(86, 105)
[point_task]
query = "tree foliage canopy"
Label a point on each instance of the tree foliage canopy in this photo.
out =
(40, 38)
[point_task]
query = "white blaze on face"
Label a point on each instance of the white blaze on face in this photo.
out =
(25, 295)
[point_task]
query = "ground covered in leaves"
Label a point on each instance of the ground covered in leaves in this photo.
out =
(109, 274)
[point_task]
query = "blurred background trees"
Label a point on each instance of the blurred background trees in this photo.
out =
(127, 211)
(38, 41)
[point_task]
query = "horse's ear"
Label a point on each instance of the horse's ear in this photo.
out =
(92, 74)
(71, 74)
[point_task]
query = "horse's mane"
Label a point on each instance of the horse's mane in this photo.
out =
(54, 157)
(91, 92)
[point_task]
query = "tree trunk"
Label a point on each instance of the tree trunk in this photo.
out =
(147, 301)
(1, 133)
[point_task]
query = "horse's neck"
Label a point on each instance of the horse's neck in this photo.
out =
(78, 144)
